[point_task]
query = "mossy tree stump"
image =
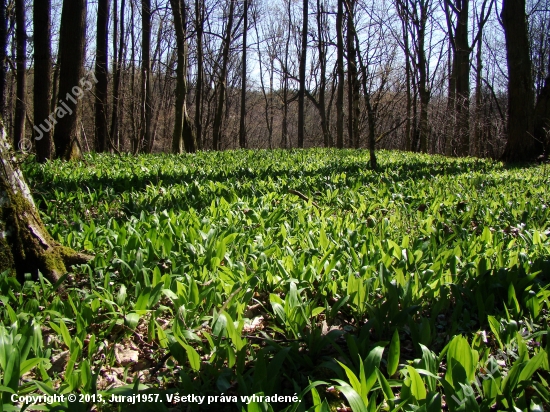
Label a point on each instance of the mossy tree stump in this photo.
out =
(25, 244)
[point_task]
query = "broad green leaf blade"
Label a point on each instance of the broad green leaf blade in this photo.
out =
(194, 358)
(393, 354)
(354, 399)
(418, 390)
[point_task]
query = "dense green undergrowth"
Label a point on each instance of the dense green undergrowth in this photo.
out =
(420, 287)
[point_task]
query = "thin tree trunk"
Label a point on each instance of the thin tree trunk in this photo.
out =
(146, 108)
(183, 131)
(101, 70)
(268, 100)
(542, 114)
(451, 103)
(462, 80)
(71, 60)
(322, 48)
(117, 67)
(479, 110)
(483, 17)
(353, 81)
(222, 81)
(284, 129)
(42, 78)
(242, 124)
(340, 73)
(3, 55)
(55, 87)
(20, 102)
(302, 76)
(136, 137)
(408, 74)
(370, 110)
(199, 20)
(423, 77)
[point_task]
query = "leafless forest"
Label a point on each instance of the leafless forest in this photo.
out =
(436, 76)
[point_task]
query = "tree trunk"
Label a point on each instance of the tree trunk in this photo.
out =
(3, 55)
(478, 113)
(146, 108)
(117, 68)
(370, 110)
(242, 125)
(463, 80)
(72, 51)
(101, 69)
(184, 136)
(423, 89)
(135, 121)
(223, 79)
(340, 73)
(42, 78)
(25, 245)
(302, 76)
(20, 105)
(285, 141)
(408, 72)
(520, 146)
(199, 20)
(353, 80)
(542, 114)
(322, 49)
(451, 104)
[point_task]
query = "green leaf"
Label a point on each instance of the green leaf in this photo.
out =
(65, 333)
(433, 402)
(386, 388)
(131, 320)
(494, 324)
(121, 297)
(356, 385)
(459, 350)
(193, 357)
(30, 364)
(417, 384)
(12, 371)
(512, 299)
(532, 366)
(393, 354)
(354, 399)
(142, 303)
(511, 380)
(194, 295)
(371, 363)
(6, 389)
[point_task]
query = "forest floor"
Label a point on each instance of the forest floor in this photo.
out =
(302, 276)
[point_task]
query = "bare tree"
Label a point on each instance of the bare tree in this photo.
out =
(222, 78)
(42, 77)
(3, 54)
(146, 104)
(242, 125)
(353, 79)
(71, 59)
(20, 102)
(318, 98)
(184, 135)
(101, 71)
(521, 145)
(340, 73)
(117, 69)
